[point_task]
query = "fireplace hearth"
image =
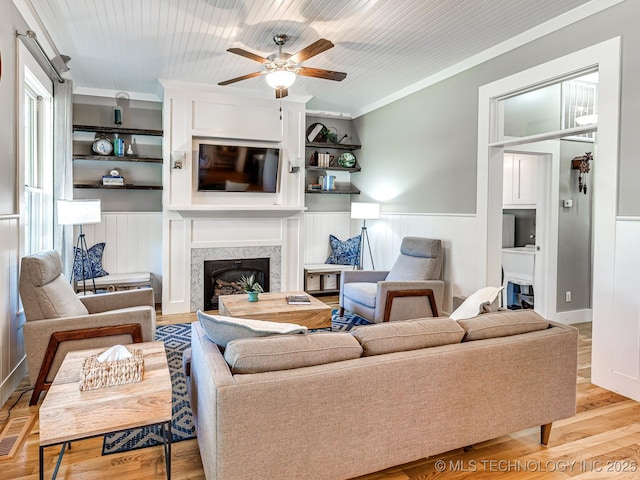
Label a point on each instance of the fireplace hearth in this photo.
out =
(221, 277)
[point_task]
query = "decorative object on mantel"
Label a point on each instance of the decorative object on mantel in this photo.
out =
(251, 287)
(316, 133)
(282, 68)
(319, 133)
(102, 145)
(114, 179)
(582, 165)
(122, 101)
(347, 160)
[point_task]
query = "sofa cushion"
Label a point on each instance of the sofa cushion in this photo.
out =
(502, 324)
(390, 337)
(221, 330)
(363, 293)
(485, 300)
(285, 352)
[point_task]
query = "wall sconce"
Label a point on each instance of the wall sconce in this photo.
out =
(177, 158)
(294, 166)
(582, 165)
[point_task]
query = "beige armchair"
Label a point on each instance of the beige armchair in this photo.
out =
(58, 321)
(413, 288)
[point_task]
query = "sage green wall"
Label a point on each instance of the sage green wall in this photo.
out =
(574, 231)
(419, 153)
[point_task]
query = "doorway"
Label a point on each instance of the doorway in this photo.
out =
(605, 57)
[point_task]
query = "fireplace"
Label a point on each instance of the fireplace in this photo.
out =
(221, 277)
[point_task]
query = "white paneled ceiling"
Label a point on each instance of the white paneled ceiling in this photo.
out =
(383, 45)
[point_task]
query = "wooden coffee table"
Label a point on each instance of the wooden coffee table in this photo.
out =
(68, 414)
(273, 306)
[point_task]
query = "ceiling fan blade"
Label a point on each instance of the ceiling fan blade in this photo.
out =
(244, 77)
(320, 73)
(282, 92)
(312, 50)
(249, 55)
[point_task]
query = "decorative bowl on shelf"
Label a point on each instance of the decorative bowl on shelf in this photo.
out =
(347, 160)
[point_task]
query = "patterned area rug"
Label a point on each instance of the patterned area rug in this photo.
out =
(176, 338)
(347, 322)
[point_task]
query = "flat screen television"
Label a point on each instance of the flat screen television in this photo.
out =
(237, 168)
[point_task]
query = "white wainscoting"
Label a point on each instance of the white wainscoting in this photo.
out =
(457, 232)
(133, 243)
(317, 228)
(13, 368)
(625, 320)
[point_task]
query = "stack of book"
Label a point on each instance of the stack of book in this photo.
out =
(114, 179)
(298, 299)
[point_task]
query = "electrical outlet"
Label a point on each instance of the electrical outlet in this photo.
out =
(567, 296)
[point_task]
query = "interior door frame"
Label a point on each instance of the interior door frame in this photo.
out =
(605, 57)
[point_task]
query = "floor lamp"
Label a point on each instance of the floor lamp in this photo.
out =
(364, 211)
(80, 212)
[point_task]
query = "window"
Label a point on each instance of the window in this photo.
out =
(38, 166)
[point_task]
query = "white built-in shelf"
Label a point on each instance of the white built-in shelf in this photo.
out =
(236, 211)
(118, 130)
(114, 158)
(99, 186)
(342, 188)
(336, 146)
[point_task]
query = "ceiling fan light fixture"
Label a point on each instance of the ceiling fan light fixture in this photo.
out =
(281, 78)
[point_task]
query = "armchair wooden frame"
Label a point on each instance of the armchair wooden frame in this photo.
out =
(393, 294)
(133, 329)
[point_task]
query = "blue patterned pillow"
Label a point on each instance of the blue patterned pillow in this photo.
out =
(344, 253)
(92, 267)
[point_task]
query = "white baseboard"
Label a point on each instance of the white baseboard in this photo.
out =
(13, 380)
(573, 316)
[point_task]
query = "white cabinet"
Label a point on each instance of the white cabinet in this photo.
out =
(520, 180)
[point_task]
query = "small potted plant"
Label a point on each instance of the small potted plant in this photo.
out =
(251, 286)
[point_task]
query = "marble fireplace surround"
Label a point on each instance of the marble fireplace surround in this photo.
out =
(200, 255)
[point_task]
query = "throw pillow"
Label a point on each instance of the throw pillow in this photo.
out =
(92, 262)
(485, 300)
(221, 330)
(344, 253)
(502, 324)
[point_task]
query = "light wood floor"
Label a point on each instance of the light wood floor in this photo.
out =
(602, 441)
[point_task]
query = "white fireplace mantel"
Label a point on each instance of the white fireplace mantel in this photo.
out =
(236, 211)
(212, 222)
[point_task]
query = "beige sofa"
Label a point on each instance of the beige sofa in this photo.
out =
(340, 419)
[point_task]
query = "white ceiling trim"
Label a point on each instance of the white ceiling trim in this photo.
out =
(546, 28)
(102, 92)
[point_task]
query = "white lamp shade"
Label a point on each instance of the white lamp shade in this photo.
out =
(364, 210)
(79, 212)
(281, 78)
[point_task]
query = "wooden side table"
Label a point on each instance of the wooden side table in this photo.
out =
(68, 414)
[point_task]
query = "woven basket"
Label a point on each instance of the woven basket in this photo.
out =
(97, 374)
